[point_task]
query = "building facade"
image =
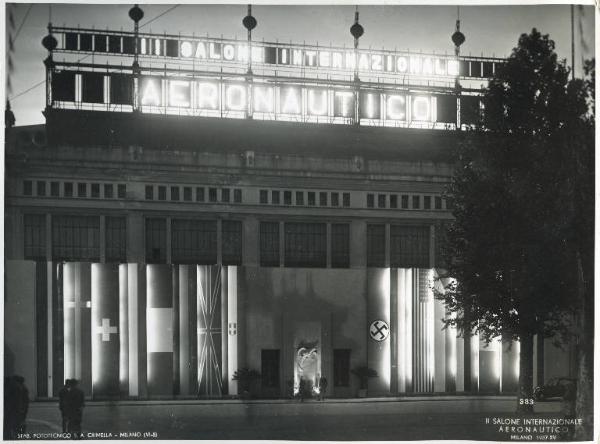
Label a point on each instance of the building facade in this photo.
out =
(154, 255)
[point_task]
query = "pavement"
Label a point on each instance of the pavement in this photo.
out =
(409, 418)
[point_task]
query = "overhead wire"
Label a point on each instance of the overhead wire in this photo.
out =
(31, 88)
(22, 22)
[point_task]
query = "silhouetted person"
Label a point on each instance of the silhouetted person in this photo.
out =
(10, 408)
(74, 401)
(322, 387)
(62, 396)
(22, 403)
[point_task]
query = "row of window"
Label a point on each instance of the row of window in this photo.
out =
(227, 195)
(190, 194)
(304, 198)
(414, 201)
(194, 241)
(75, 238)
(271, 367)
(74, 189)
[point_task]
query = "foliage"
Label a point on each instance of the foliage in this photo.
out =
(363, 373)
(521, 193)
(508, 190)
(245, 376)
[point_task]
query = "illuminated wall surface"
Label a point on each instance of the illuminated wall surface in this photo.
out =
(158, 331)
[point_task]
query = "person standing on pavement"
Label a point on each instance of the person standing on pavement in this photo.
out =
(62, 396)
(22, 403)
(322, 387)
(73, 406)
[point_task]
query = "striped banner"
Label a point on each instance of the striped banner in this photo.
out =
(210, 378)
(77, 289)
(105, 330)
(159, 330)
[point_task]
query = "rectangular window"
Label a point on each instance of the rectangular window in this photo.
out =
(370, 200)
(269, 368)
(438, 202)
(199, 194)
(95, 190)
(427, 202)
(311, 198)
(416, 202)
(34, 236)
(404, 202)
(156, 240)
(341, 367)
(194, 241)
(121, 191)
(381, 200)
(346, 199)
(41, 188)
(68, 189)
(393, 201)
(305, 245)
(175, 193)
(162, 192)
(409, 246)
(116, 239)
(108, 190)
(76, 238)
(82, 190)
(232, 242)
(149, 192)
(225, 195)
(335, 200)
(264, 196)
(275, 197)
(340, 245)
(27, 188)
(237, 195)
(55, 189)
(376, 245)
(269, 244)
(299, 198)
(323, 199)
(287, 197)
(187, 194)
(212, 194)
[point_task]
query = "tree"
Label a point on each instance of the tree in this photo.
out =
(578, 139)
(506, 250)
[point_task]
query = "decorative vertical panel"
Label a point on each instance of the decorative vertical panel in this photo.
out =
(405, 330)
(133, 344)
(123, 330)
(210, 379)
(378, 346)
(159, 329)
(423, 339)
(76, 292)
(232, 327)
(105, 329)
(184, 330)
(510, 367)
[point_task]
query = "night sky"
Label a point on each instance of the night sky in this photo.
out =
(489, 30)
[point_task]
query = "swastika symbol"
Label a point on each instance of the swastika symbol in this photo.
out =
(379, 330)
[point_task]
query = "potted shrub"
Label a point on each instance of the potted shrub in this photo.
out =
(363, 373)
(245, 376)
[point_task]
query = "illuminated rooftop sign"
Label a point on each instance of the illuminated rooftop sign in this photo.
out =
(200, 76)
(275, 55)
